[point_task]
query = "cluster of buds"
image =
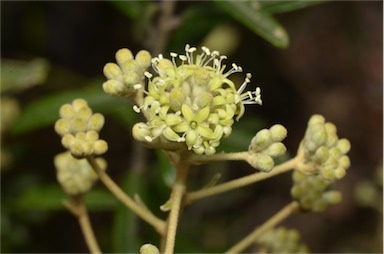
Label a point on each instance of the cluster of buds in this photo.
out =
(312, 192)
(193, 103)
(323, 152)
(79, 129)
(126, 77)
(265, 146)
(76, 176)
(282, 240)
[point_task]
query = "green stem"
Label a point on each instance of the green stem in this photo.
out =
(77, 208)
(243, 181)
(269, 224)
(146, 215)
(177, 194)
(199, 159)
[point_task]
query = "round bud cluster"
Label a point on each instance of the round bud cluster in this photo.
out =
(79, 129)
(125, 77)
(149, 249)
(312, 192)
(76, 176)
(265, 146)
(282, 240)
(323, 151)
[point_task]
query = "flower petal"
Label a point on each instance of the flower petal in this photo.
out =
(187, 112)
(191, 138)
(181, 127)
(205, 132)
(202, 115)
(170, 134)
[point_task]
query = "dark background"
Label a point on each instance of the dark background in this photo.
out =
(333, 66)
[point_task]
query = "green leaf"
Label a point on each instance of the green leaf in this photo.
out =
(19, 75)
(50, 197)
(279, 6)
(252, 15)
(44, 112)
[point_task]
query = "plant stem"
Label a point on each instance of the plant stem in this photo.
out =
(146, 215)
(243, 181)
(271, 223)
(177, 194)
(198, 159)
(77, 208)
(166, 23)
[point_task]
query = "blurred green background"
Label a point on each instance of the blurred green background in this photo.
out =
(307, 56)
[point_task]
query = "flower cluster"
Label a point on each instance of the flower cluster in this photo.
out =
(194, 102)
(76, 176)
(79, 129)
(265, 146)
(323, 152)
(311, 191)
(282, 240)
(126, 77)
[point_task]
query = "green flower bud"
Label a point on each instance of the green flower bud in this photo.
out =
(113, 87)
(321, 155)
(100, 147)
(79, 103)
(260, 141)
(131, 78)
(123, 55)
(66, 111)
(75, 176)
(67, 140)
(112, 71)
(62, 127)
(262, 162)
(315, 119)
(332, 197)
(340, 173)
(344, 145)
(275, 149)
(84, 113)
(317, 136)
(278, 132)
(96, 122)
(344, 162)
(143, 58)
(78, 125)
(335, 153)
(149, 249)
(328, 173)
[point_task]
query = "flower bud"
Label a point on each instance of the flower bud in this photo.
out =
(262, 162)
(278, 132)
(123, 55)
(143, 58)
(275, 150)
(66, 111)
(75, 176)
(112, 71)
(96, 122)
(149, 249)
(344, 145)
(113, 87)
(62, 127)
(79, 103)
(332, 197)
(260, 141)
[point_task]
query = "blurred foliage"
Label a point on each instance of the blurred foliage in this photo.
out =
(41, 32)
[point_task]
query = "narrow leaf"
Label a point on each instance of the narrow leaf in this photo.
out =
(252, 15)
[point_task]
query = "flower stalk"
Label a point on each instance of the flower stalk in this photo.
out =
(283, 214)
(76, 206)
(240, 182)
(147, 216)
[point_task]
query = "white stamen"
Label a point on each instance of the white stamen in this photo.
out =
(148, 75)
(137, 86)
